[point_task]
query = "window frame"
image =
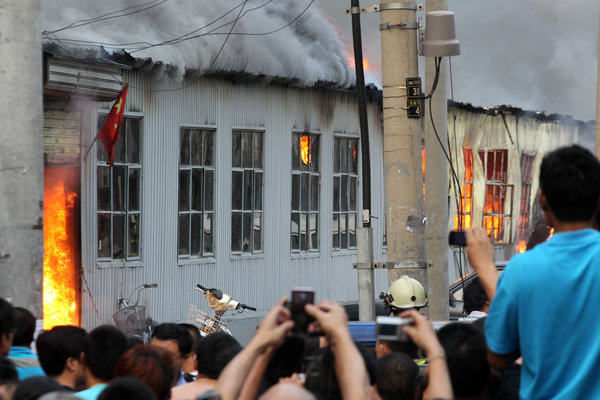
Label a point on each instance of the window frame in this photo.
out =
(499, 189)
(130, 261)
(349, 174)
(309, 251)
(235, 254)
(466, 198)
(523, 223)
(202, 256)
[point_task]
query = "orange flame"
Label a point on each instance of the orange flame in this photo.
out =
(352, 63)
(521, 247)
(467, 194)
(304, 149)
(60, 293)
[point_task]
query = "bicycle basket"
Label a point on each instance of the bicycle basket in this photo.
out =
(206, 323)
(131, 320)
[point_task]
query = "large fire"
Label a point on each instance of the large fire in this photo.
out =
(61, 288)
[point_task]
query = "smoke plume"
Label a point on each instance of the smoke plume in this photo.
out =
(539, 55)
(308, 49)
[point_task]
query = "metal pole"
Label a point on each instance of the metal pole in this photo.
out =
(364, 235)
(21, 154)
(436, 185)
(402, 143)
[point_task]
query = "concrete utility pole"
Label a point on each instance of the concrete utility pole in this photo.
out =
(402, 144)
(436, 185)
(21, 158)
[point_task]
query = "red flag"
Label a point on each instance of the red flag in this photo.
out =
(110, 131)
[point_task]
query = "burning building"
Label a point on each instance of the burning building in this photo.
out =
(498, 152)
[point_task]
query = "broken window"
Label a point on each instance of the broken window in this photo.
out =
(195, 233)
(497, 207)
(345, 185)
(305, 192)
(118, 194)
(246, 192)
(464, 214)
(527, 161)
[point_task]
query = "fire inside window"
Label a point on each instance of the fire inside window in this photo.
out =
(464, 214)
(497, 207)
(119, 195)
(305, 192)
(345, 184)
(527, 161)
(196, 188)
(246, 192)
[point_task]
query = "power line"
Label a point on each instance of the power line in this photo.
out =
(107, 16)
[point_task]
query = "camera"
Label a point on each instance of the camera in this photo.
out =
(457, 238)
(300, 297)
(391, 328)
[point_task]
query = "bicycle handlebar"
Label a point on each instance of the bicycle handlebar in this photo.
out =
(246, 307)
(219, 295)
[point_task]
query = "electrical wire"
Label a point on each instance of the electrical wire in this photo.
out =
(107, 16)
(455, 180)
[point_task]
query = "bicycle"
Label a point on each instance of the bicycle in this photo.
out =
(220, 302)
(132, 319)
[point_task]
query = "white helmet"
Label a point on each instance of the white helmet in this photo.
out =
(405, 293)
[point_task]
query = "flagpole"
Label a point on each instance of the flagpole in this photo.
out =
(90, 147)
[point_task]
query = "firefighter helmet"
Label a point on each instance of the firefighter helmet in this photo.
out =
(405, 293)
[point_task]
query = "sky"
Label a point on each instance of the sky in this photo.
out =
(539, 55)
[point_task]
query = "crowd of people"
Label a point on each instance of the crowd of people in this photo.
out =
(528, 333)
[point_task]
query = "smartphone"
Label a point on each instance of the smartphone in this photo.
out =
(457, 238)
(300, 297)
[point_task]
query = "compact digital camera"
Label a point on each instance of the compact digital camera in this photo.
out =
(391, 328)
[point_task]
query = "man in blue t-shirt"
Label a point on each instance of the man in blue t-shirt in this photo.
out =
(546, 301)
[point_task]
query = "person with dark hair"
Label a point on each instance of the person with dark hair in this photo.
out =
(464, 345)
(476, 303)
(25, 360)
(546, 298)
(213, 354)
(127, 387)
(396, 377)
(8, 325)
(153, 365)
(34, 387)
(189, 364)
(101, 349)
(8, 379)
(178, 341)
(60, 351)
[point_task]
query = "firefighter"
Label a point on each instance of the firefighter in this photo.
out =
(404, 294)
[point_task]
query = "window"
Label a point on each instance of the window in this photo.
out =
(497, 208)
(118, 191)
(196, 186)
(345, 182)
(246, 192)
(527, 161)
(464, 214)
(305, 192)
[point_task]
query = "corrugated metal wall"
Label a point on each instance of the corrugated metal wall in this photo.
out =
(258, 280)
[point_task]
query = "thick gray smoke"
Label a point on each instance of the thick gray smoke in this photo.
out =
(538, 55)
(310, 49)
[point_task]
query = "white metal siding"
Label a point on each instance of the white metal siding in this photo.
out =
(258, 280)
